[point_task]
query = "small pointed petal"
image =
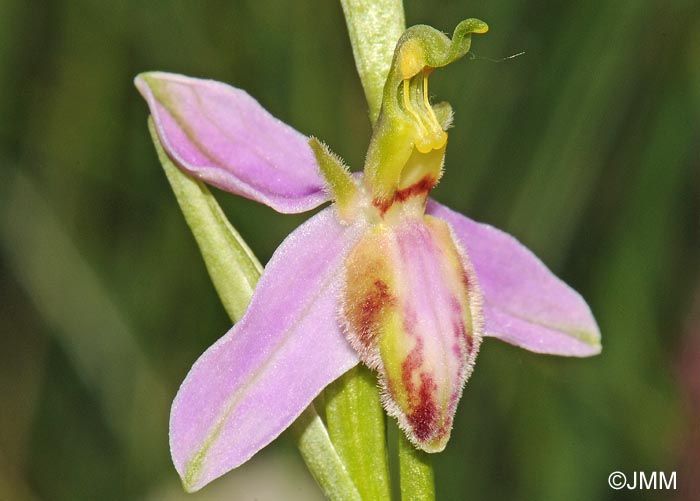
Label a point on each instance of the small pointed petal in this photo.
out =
(412, 312)
(252, 383)
(223, 136)
(525, 304)
(338, 178)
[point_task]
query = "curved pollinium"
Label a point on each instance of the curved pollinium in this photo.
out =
(408, 123)
(412, 311)
(425, 46)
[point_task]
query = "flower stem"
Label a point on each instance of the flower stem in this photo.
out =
(416, 471)
(234, 270)
(356, 425)
(321, 457)
(374, 27)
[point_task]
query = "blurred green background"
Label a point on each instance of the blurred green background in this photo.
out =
(586, 148)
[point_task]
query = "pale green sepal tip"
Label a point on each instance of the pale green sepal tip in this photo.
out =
(590, 338)
(155, 85)
(337, 176)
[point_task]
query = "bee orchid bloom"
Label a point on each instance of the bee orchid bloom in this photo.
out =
(384, 275)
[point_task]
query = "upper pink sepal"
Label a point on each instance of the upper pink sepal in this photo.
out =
(221, 135)
(525, 304)
(256, 380)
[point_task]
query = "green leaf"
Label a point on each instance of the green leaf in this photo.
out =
(231, 264)
(374, 27)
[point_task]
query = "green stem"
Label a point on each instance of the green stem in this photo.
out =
(416, 471)
(374, 27)
(356, 425)
(321, 457)
(235, 271)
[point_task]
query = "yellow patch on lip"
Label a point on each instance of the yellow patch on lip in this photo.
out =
(369, 294)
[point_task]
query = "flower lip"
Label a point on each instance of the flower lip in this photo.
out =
(412, 310)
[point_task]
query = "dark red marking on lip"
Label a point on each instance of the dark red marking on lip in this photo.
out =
(369, 310)
(466, 281)
(464, 334)
(411, 364)
(410, 319)
(422, 187)
(469, 340)
(461, 330)
(422, 414)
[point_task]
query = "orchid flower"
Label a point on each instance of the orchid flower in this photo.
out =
(384, 275)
